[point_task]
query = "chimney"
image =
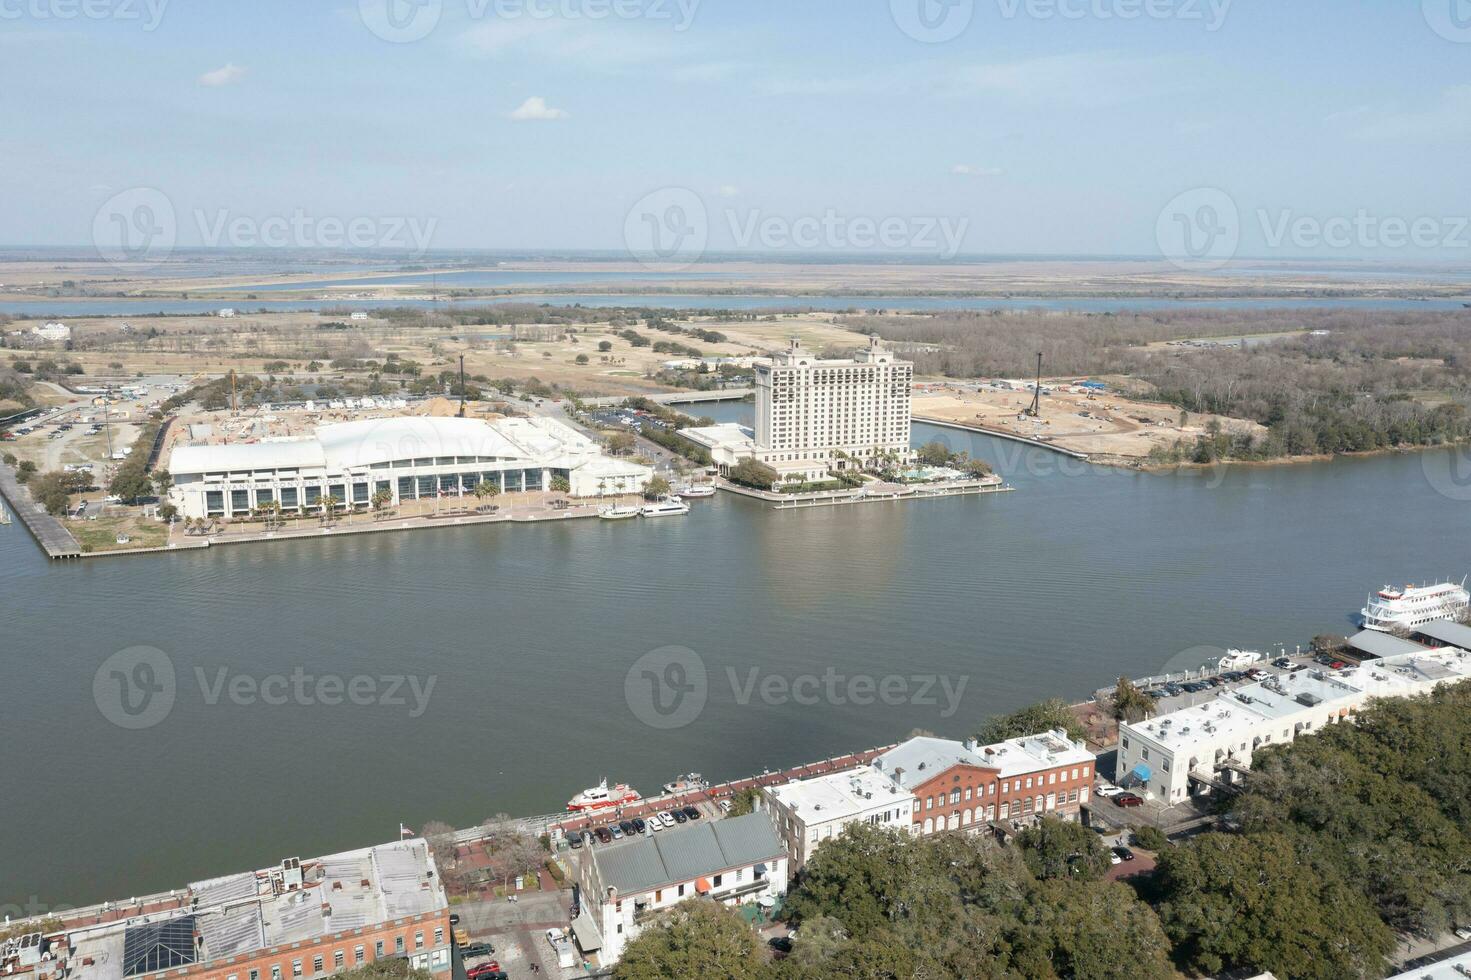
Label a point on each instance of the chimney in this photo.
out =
(971, 745)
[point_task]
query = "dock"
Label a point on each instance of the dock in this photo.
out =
(50, 534)
(999, 434)
(864, 495)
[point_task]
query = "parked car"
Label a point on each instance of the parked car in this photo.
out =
(692, 813)
(602, 835)
(780, 945)
(574, 839)
(666, 820)
(1122, 854)
(627, 827)
(477, 949)
(1282, 662)
(679, 816)
(1336, 665)
(484, 971)
(639, 824)
(1107, 791)
(1463, 933)
(616, 831)
(1128, 800)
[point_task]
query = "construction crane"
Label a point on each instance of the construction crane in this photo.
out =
(1036, 410)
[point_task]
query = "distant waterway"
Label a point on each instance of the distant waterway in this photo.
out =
(705, 301)
(521, 641)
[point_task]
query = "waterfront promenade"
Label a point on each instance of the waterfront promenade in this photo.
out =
(50, 534)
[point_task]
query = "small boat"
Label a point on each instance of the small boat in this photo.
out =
(618, 513)
(602, 796)
(666, 507)
(696, 490)
(691, 782)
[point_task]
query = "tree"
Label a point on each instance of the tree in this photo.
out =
(485, 490)
(330, 503)
(560, 484)
(1250, 902)
(390, 968)
(1129, 703)
(696, 938)
(380, 501)
(934, 453)
(25, 471)
(656, 488)
(620, 443)
(1056, 848)
(162, 481)
(604, 346)
(753, 473)
(51, 491)
(744, 802)
(581, 359)
(1045, 716)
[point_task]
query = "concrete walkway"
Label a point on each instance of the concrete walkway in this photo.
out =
(50, 533)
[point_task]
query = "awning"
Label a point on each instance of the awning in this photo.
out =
(1142, 772)
(702, 885)
(761, 869)
(589, 940)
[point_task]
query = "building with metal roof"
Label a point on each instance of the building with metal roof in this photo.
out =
(626, 884)
(808, 812)
(1444, 633)
(1373, 643)
(408, 457)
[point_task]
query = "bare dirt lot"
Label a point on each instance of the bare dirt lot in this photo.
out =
(1099, 424)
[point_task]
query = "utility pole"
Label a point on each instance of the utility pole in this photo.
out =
(462, 386)
(233, 409)
(1036, 410)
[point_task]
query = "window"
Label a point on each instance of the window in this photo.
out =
(358, 953)
(438, 936)
(681, 891)
(296, 968)
(717, 880)
(398, 944)
(316, 964)
(339, 960)
(275, 971)
(419, 940)
(378, 949)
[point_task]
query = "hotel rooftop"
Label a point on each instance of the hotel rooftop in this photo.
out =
(840, 794)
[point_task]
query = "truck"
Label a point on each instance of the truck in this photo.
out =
(562, 946)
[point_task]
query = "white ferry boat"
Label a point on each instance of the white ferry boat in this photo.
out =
(618, 513)
(666, 507)
(1392, 609)
(696, 490)
(601, 796)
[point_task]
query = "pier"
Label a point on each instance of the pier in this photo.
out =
(50, 534)
(999, 434)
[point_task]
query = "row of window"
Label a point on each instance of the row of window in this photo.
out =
(297, 966)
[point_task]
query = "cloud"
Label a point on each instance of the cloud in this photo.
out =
(228, 75)
(535, 109)
(1448, 117)
(971, 170)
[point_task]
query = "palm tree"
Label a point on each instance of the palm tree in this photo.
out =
(380, 501)
(484, 490)
(329, 507)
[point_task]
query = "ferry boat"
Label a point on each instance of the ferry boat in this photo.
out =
(666, 507)
(691, 782)
(618, 513)
(696, 490)
(601, 797)
(1393, 609)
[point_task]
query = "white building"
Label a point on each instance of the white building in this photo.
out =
(53, 331)
(626, 884)
(359, 314)
(810, 811)
(410, 457)
(1206, 742)
(814, 416)
(227, 313)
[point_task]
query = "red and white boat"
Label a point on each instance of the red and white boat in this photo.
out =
(602, 796)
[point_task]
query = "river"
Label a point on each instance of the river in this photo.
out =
(528, 633)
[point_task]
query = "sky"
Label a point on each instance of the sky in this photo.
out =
(1282, 128)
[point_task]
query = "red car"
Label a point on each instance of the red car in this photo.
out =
(1336, 665)
(481, 969)
(1128, 799)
